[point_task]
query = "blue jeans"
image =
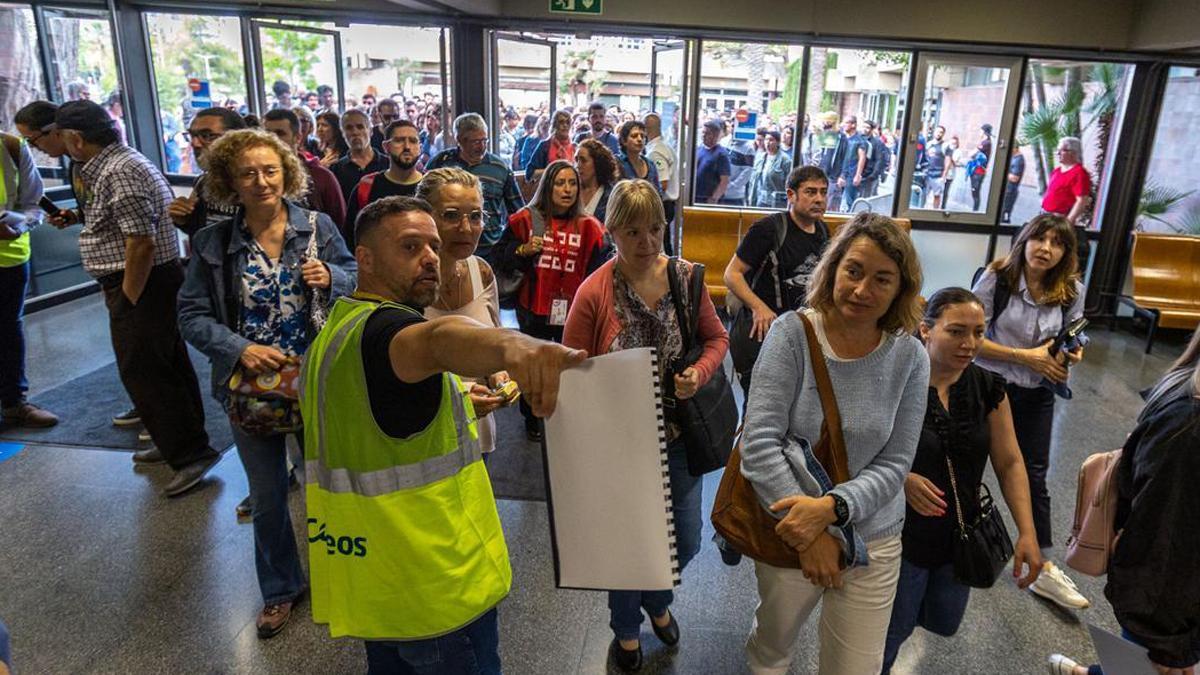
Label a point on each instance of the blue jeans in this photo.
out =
(276, 557)
(13, 281)
(473, 649)
(850, 193)
(929, 598)
(625, 607)
(5, 648)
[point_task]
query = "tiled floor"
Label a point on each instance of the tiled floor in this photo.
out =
(99, 574)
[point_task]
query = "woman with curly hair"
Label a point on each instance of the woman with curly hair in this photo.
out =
(598, 173)
(245, 305)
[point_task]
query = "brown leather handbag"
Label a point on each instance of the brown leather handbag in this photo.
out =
(737, 514)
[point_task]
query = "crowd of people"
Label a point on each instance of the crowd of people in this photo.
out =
(349, 294)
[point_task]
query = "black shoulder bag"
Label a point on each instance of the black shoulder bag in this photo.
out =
(510, 281)
(709, 419)
(983, 547)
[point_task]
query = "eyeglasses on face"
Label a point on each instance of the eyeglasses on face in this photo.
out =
(250, 176)
(456, 216)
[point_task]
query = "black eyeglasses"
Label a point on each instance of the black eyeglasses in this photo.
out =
(203, 134)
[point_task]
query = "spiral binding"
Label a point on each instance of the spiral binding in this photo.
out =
(665, 465)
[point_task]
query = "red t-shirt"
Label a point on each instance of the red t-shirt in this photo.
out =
(1064, 188)
(570, 250)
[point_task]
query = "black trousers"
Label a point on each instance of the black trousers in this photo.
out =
(154, 364)
(1033, 420)
(13, 282)
(976, 186)
(538, 327)
(669, 211)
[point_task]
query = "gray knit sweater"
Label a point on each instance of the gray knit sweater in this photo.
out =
(882, 399)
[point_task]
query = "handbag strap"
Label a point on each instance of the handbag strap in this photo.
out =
(835, 463)
(681, 315)
(962, 527)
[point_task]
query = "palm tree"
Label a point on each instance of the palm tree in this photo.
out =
(1158, 200)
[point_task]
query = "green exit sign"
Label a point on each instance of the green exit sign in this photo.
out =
(575, 6)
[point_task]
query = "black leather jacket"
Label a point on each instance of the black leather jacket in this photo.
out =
(1154, 573)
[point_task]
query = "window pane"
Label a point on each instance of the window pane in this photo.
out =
(1170, 201)
(962, 108)
(1061, 101)
(400, 62)
(83, 63)
(868, 88)
(295, 63)
(20, 69)
(198, 64)
(746, 88)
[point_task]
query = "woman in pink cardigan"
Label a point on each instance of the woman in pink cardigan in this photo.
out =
(626, 304)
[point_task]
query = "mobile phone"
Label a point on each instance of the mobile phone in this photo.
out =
(48, 206)
(1068, 332)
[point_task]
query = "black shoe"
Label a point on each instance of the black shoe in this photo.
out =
(668, 634)
(628, 660)
(148, 457)
(534, 433)
(730, 557)
(186, 478)
(128, 418)
(243, 508)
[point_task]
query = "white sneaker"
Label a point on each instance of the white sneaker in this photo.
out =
(1054, 585)
(1061, 665)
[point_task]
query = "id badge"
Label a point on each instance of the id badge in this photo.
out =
(558, 312)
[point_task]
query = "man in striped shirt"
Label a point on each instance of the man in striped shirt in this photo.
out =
(128, 243)
(501, 197)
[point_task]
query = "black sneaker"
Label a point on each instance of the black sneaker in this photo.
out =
(728, 555)
(127, 419)
(189, 476)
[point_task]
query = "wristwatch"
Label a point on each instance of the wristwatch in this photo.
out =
(841, 511)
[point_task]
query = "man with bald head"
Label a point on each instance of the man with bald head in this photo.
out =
(406, 549)
(667, 163)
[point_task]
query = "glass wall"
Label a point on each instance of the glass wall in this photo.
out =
(855, 101)
(198, 63)
(84, 65)
(1069, 100)
(749, 95)
(1170, 201)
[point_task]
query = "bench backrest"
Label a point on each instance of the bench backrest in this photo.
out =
(711, 237)
(1165, 268)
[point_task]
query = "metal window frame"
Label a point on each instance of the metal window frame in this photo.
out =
(495, 119)
(256, 27)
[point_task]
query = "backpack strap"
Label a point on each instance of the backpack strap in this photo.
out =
(363, 192)
(1003, 294)
(538, 222)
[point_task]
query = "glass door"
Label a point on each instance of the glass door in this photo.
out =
(83, 63)
(668, 85)
(524, 77)
(294, 60)
(957, 137)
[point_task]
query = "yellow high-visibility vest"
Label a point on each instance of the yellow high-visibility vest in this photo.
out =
(404, 539)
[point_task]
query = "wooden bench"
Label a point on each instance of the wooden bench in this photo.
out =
(711, 236)
(1166, 281)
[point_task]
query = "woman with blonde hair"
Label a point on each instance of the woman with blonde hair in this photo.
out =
(627, 304)
(863, 306)
(245, 304)
(468, 285)
(1028, 298)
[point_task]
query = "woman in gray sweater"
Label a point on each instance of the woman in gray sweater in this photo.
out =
(864, 305)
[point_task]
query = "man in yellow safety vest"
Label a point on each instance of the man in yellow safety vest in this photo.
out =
(405, 545)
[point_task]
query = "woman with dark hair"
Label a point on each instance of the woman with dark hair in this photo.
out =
(768, 179)
(1027, 299)
(1152, 580)
(633, 163)
(330, 139)
(556, 247)
(598, 173)
(967, 421)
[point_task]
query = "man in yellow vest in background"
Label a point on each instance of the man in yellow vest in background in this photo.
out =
(20, 190)
(405, 545)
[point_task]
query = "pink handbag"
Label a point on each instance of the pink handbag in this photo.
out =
(1093, 534)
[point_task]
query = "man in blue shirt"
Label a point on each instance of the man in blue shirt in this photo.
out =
(712, 166)
(849, 165)
(501, 198)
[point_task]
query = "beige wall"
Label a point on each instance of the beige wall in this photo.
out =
(1166, 24)
(1067, 23)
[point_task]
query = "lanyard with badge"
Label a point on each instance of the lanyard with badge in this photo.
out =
(559, 305)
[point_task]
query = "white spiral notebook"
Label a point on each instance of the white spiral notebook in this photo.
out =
(608, 487)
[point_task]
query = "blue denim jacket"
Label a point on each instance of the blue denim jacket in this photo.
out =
(205, 317)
